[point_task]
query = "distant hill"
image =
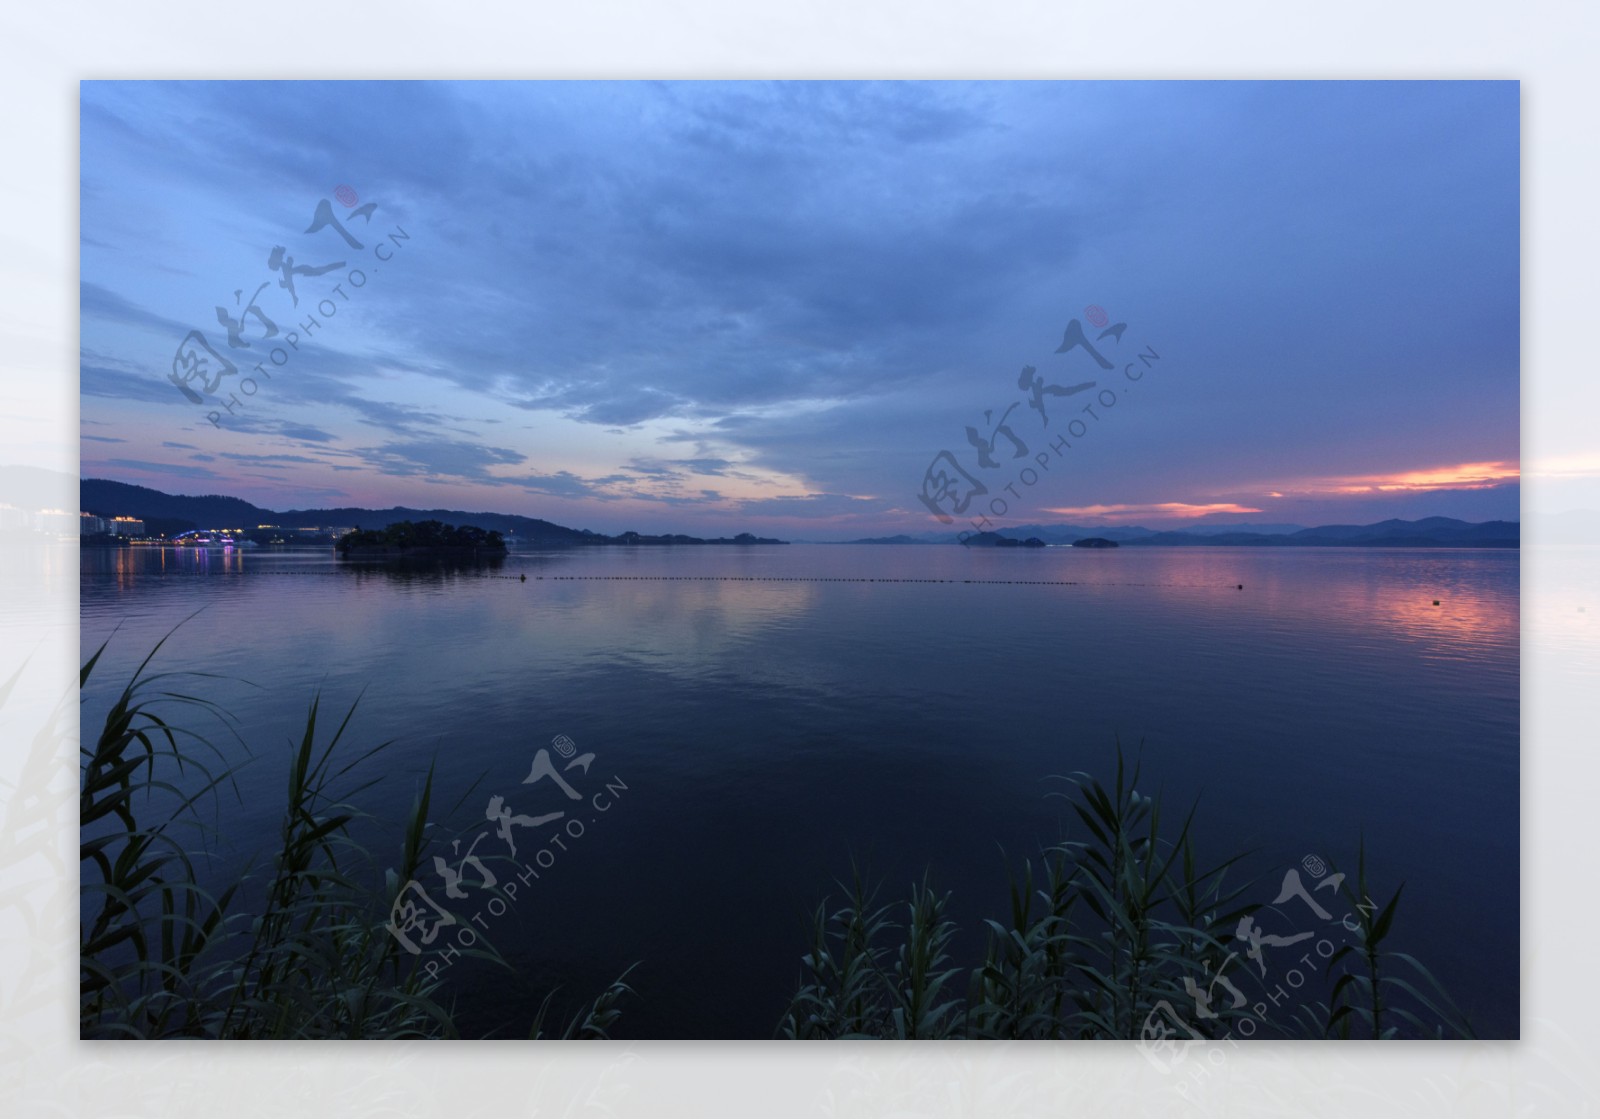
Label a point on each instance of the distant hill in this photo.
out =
(1430, 532)
(998, 540)
(119, 499)
(1208, 529)
(526, 530)
(177, 511)
(900, 539)
(1066, 534)
(215, 511)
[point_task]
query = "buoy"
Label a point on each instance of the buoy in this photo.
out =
(1436, 602)
(523, 577)
(1241, 587)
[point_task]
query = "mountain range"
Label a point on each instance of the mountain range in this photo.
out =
(176, 513)
(1429, 532)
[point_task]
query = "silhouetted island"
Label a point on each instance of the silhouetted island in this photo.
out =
(436, 539)
(166, 515)
(419, 539)
(1094, 542)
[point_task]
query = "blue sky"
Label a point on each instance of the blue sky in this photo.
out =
(712, 307)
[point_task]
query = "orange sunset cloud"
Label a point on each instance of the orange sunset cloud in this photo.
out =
(1463, 476)
(1151, 509)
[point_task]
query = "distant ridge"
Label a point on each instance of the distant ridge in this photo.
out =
(1066, 534)
(1000, 540)
(215, 511)
(110, 499)
(1430, 532)
(899, 539)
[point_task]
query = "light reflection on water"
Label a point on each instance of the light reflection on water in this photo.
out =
(810, 704)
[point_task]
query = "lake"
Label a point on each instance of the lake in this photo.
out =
(762, 716)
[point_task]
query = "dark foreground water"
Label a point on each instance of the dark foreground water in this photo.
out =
(764, 715)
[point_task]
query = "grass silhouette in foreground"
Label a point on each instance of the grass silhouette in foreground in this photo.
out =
(1122, 934)
(1119, 935)
(310, 956)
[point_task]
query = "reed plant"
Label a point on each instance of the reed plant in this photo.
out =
(1381, 993)
(1118, 932)
(294, 946)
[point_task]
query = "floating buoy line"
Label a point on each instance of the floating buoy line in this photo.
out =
(523, 577)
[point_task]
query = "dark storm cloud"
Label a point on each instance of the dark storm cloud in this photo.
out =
(705, 466)
(120, 384)
(811, 505)
(831, 281)
(562, 484)
(680, 468)
(239, 457)
(303, 433)
(141, 466)
(687, 245)
(439, 458)
(255, 424)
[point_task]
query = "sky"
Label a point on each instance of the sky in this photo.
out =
(813, 310)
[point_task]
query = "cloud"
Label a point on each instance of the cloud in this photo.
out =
(679, 468)
(562, 484)
(705, 466)
(401, 420)
(143, 466)
(241, 457)
(601, 401)
(833, 506)
(439, 458)
(816, 286)
(122, 384)
(293, 430)
(1134, 511)
(1461, 476)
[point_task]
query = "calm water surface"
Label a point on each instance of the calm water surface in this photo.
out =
(774, 712)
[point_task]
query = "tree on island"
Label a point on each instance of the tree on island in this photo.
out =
(404, 536)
